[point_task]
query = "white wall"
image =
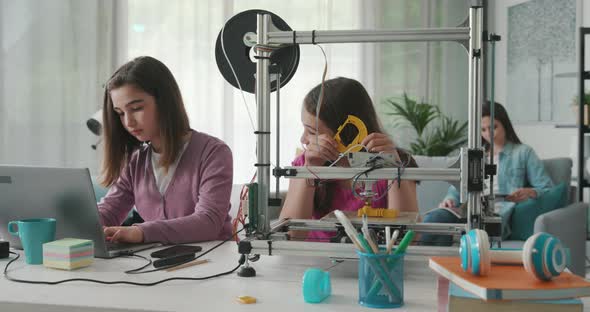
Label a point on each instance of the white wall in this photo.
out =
(545, 138)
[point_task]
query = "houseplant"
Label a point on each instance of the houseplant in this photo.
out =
(576, 107)
(436, 134)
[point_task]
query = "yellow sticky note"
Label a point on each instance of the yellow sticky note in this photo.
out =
(246, 299)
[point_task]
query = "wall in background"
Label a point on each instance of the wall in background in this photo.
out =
(544, 137)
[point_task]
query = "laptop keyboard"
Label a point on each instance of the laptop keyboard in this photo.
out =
(118, 246)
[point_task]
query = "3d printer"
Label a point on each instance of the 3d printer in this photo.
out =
(270, 62)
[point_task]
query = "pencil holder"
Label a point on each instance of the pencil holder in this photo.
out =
(381, 280)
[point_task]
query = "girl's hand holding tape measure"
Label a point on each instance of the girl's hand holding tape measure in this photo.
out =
(317, 155)
(379, 142)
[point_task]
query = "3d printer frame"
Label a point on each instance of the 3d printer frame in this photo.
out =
(272, 238)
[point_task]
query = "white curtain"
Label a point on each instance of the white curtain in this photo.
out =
(55, 57)
(182, 34)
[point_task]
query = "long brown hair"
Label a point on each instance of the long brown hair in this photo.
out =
(501, 116)
(154, 78)
(342, 97)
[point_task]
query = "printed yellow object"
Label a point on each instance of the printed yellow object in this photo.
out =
(361, 135)
(378, 212)
(246, 299)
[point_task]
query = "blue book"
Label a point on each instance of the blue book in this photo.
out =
(461, 300)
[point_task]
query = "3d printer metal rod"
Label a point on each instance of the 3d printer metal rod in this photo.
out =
(332, 226)
(348, 36)
(421, 174)
(475, 87)
(263, 131)
(318, 249)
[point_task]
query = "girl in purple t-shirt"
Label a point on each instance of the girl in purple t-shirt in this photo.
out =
(312, 200)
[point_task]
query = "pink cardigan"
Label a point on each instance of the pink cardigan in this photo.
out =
(196, 204)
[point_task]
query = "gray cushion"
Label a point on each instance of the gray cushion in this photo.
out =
(559, 169)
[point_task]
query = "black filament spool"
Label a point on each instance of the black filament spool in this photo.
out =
(287, 58)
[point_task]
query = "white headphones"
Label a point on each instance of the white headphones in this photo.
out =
(543, 255)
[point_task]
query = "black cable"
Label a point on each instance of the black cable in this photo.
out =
(401, 166)
(240, 262)
(358, 175)
(138, 270)
(335, 262)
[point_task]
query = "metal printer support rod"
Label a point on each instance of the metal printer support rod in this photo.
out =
(469, 175)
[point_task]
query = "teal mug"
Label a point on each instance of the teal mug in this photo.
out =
(33, 233)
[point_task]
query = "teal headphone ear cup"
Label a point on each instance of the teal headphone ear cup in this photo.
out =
(465, 251)
(544, 256)
(474, 247)
(559, 257)
(485, 261)
(474, 252)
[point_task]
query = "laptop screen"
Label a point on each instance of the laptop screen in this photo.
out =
(65, 194)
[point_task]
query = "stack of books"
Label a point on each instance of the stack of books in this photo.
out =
(506, 288)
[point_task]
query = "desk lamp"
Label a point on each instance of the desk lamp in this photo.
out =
(94, 124)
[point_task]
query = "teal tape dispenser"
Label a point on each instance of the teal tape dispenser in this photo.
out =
(316, 285)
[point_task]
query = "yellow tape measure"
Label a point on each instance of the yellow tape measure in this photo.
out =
(361, 135)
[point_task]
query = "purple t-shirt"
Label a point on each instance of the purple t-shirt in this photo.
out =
(343, 199)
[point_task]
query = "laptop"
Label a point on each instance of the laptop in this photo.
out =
(65, 194)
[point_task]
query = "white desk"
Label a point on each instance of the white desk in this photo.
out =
(277, 286)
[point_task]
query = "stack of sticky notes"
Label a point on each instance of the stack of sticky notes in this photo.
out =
(68, 253)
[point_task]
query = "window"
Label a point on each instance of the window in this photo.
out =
(56, 55)
(182, 34)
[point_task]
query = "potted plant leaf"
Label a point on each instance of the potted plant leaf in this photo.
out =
(436, 133)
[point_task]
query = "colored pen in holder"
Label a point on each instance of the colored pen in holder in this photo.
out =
(375, 267)
(389, 277)
(392, 261)
(379, 268)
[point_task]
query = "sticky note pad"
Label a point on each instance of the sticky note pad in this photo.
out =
(68, 253)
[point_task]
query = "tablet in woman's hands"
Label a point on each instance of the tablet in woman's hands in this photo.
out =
(501, 197)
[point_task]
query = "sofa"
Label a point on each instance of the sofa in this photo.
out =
(568, 223)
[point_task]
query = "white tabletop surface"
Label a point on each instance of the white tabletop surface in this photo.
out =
(277, 286)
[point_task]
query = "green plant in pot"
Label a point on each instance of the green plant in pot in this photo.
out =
(436, 133)
(576, 107)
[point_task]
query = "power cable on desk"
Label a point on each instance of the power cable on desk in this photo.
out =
(138, 270)
(240, 262)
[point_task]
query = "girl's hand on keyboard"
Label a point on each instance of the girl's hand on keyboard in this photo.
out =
(124, 234)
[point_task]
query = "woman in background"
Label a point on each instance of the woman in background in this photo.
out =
(520, 173)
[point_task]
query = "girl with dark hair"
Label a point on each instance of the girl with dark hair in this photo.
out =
(178, 179)
(520, 172)
(312, 199)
